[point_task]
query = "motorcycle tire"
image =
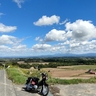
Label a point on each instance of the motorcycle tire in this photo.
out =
(45, 90)
(27, 88)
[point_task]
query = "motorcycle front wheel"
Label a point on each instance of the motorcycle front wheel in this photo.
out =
(45, 90)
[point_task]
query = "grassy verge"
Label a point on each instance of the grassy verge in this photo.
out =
(72, 81)
(16, 75)
(19, 76)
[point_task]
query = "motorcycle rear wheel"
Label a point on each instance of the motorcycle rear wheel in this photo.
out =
(27, 88)
(45, 90)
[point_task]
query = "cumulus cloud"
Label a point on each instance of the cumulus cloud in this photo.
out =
(6, 39)
(11, 46)
(3, 48)
(19, 50)
(47, 20)
(78, 37)
(45, 48)
(81, 30)
(41, 47)
(57, 35)
(4, 28)
(78, 30)
(19, 2)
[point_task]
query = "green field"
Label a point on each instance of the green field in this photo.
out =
(78, 67)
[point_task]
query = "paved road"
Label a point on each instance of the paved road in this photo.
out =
(7, 88)
(77, 90)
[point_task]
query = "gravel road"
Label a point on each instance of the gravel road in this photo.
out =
(77, 90)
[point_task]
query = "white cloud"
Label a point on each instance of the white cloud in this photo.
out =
(45, 48)
(41, 47)
(55, 48)
(56, 35)
(81, 30)
(20, 47)
(4, 28)
(4, 48)
(47, 20)
(10, 46)
(6, 39)
(19, 2)
(78, 37)
(19, 50)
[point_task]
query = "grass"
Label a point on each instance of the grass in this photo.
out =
(1, 67)
(16, 75)
(19, 76)
(25, 71)
(71, 81)
(83, 67)
(78, 67)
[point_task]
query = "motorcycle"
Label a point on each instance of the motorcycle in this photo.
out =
(33, 83)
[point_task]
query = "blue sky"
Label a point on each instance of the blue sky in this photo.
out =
(45, 27)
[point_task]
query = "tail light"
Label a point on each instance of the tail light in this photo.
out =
(33, 83)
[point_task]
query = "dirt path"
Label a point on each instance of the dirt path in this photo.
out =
(75, 90)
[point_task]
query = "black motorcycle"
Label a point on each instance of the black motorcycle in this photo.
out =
(33, 83)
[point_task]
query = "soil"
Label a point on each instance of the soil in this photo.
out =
(69, 74)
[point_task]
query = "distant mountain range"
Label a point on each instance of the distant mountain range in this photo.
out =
(55, 55)
(70, 55)
(76, 55)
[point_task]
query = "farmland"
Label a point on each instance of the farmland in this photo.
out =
(58, 68)
(72, 72)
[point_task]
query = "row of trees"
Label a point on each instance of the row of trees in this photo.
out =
(53, 62)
